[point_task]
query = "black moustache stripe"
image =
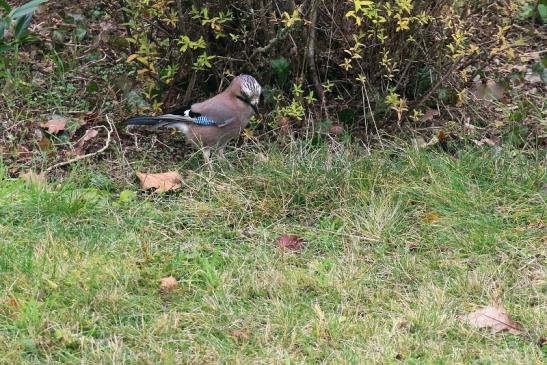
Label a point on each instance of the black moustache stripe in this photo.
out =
(248, 102)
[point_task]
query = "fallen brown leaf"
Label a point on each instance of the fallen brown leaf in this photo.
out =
(290, 242)
(429, 115)
(431, 217)
(489, 90)
(89, 134)
(32, 178)
(55, 126)
(484, 141)
(240, 335)
(441, 136)
(336, 129)
(44, 144)
(12, 302)
(168, 284)
(160, 182)
(494, 318)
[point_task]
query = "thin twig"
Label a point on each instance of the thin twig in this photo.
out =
(283, 33)
(180, 9)
(60, 164)
(311, 53)
(190, 88)
(438, 84)
(372, 116)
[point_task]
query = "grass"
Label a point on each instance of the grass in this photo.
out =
(400, 244)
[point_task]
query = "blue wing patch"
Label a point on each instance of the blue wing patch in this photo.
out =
(201, 120)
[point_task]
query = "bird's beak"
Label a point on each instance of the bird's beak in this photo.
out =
(255, 107)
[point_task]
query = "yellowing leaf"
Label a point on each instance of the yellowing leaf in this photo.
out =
(160, 182)
(431, 217)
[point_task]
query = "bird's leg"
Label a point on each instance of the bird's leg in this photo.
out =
(207, 155)
(221, 152)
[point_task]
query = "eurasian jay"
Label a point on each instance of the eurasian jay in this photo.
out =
(215, 121)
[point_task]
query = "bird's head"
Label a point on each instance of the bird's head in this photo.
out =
(248, 90)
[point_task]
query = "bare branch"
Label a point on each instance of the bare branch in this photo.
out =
(311, 52)
(281, 35)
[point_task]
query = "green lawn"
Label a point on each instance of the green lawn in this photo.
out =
(399, 245)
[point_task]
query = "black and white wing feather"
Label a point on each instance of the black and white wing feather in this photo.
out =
(180, 115)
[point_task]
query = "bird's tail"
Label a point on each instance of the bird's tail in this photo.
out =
(179, 122)
(142, 120)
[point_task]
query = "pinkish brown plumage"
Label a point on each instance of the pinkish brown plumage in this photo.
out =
(216, 121)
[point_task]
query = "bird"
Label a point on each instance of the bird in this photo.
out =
(212, 123)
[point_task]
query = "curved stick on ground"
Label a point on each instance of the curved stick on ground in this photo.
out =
(106, 145)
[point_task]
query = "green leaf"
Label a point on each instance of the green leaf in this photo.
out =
(25, 9)
(4, 47)
(92, 87)
(79, 33)
(5, 5)
(127, 196)
(542, 12)
(58, 36)
(281, 69)
(22, 25)
(527, 11)
(4, 23)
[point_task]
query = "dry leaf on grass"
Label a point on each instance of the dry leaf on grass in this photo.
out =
(494, 318)
(489, 90)
(484, 141)
(168, 284)
(89, 134)
(12, 302)
(32, 178)
(336, 129)
(290, 242)
(239, 335)
(160, 182)
(431, 217)
(55, 125)
(429, 115)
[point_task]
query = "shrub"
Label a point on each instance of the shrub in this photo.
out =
(383, 58)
